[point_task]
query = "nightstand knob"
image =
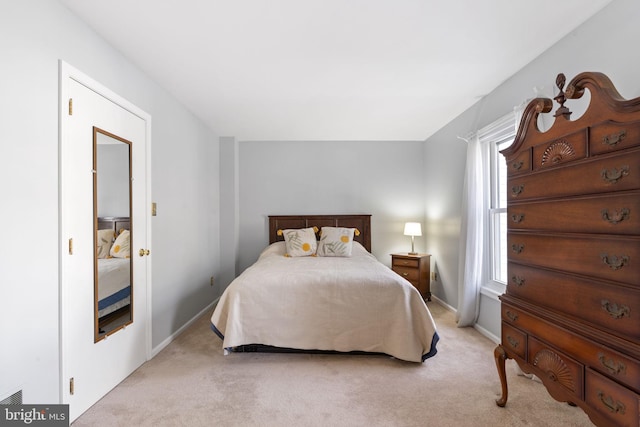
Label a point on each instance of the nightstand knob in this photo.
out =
(405, 274)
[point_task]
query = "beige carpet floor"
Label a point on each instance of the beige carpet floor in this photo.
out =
(191, 383)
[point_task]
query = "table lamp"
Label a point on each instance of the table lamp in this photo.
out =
(412, 229)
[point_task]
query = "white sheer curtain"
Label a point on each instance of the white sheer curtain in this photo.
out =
(472, 231)
(475, 233)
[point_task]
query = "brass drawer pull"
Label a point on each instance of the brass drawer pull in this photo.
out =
(617, 216)
(615, 407)
(517, 218)
(614, 175)
(518, 280)
(517, 248)
(611, 365)
(613, 139)
(512, 316)
(517, 165)
(405, 274)
(513, 342)
(616, 311)
(516, 190)
(614, 262)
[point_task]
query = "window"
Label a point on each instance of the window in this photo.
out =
(497, 136)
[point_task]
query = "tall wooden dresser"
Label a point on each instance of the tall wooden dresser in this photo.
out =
(571, 312)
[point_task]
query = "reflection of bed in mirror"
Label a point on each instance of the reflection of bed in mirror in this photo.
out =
(114, 276)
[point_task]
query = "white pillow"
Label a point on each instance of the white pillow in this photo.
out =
(103, 244)
(122, 246)
(335, 241)
(300, 242)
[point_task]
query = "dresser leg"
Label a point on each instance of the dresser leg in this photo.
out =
(501, 356)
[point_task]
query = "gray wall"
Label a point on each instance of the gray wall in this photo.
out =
(229, 211)
(606, 43)
(381, 178)
(34, 35)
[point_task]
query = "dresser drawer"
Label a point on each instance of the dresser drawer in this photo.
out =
(614, 402)
(411, 274)
(615, 308)
(557, 367)
(560, 151)
(611, 214)
(514, 340)
(611, 173)
(520, 164)
(609, 258)
(604, 359)
(611, 136)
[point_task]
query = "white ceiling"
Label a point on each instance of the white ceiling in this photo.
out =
(331, 69)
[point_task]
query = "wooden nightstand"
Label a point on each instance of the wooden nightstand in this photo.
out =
(416, 269)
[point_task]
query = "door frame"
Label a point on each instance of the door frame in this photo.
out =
(67, 73)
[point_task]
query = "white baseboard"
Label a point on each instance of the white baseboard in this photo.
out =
(163, 344)
(477, 327)
(486, 333)
(444, 304)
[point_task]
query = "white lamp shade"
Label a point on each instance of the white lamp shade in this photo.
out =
(412, 229)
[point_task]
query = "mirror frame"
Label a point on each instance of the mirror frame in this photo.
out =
(98, 336)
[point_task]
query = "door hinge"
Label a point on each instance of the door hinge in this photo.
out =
(71, 386)
(71, 106)
(71, 246)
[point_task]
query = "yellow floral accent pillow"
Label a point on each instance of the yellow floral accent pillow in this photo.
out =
(122, 246)
(300, 242)
(335, 241)
(104, 239)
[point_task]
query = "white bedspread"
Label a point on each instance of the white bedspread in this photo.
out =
(325, 303)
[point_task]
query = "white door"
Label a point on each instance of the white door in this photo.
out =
(90, 369)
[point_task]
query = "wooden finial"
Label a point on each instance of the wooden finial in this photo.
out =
(561, 98)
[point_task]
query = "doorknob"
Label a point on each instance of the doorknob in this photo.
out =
(143, 252)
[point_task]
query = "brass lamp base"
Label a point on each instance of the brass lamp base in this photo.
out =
(413, 251)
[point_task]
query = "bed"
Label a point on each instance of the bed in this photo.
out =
(324, 303)
(114, 273)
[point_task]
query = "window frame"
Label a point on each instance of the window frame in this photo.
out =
(496, 137)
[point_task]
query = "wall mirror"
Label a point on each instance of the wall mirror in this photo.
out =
(113, 277)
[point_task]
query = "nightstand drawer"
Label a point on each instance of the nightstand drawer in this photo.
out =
(416, 269)
(404, 262)
(408, 273)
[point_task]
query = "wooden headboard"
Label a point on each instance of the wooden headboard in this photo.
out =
(283, 222)
(115, 223)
